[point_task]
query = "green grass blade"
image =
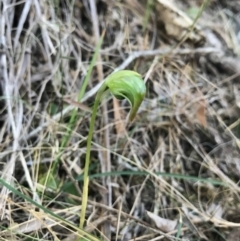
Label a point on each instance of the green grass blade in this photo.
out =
(163, 174)
(16, 192)
(179, 229)
(72, 120)
(141, 173)
(150, 4)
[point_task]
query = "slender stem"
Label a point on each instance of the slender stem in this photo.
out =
(87, 162)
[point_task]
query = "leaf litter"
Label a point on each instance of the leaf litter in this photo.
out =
(188, 123)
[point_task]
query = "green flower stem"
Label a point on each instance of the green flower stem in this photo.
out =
(124, 84)
(87, 162)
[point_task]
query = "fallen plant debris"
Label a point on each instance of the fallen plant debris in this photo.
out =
(172, 173)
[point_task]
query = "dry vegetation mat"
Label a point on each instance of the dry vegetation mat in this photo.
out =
(171, 174)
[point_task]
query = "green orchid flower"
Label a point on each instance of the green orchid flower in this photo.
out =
(128, 85)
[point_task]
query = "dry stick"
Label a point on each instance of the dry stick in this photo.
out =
(15, 121)
(21, 70)
(105, 163)
(21, 22)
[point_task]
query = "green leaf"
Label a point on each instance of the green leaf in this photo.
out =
(127, 84)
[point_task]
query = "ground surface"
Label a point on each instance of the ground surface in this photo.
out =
(173, 173)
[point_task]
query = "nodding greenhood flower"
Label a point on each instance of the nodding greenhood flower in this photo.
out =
(122, 84)
(127, 84)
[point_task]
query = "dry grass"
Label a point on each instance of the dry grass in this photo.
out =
(179, 160)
